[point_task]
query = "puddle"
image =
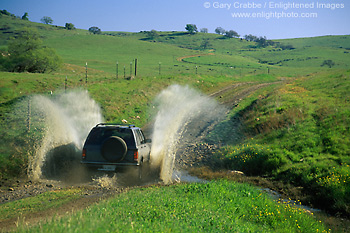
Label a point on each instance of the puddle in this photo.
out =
(183, 176)
(278, 197)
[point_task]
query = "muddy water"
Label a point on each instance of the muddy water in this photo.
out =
(182, 114)
(66, 119)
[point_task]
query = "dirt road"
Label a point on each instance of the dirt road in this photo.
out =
(11, 190)
(194, 156)
(195, 55)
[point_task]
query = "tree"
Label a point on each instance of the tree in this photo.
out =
(220, 31)
(231, 34)
(328, 63)
(191, 28)
(69, 26)
(205, 44)
(262, 41)
(250, 37)
(27, 53)
(204, 30)
(5, 12)
(25, 16)
(46, 20)
(152, 34)
(95, 30)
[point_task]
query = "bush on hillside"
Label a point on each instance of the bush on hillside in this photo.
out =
(328, 63)
(46, 20)
(27, 53)
(231, 34)
(191, 28)
(69, 26)
(5, 12)
(95, 30)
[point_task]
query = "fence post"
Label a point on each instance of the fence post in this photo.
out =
(65, 84)
(135, 66)
(28, 116)
(130, 69)
(86, 73)
(117, 70)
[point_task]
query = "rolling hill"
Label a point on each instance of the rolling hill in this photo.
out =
(228, 56)
(296, 129)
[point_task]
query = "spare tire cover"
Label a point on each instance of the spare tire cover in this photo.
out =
(114, 149)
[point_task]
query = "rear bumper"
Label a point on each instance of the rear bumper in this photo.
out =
(101, 164)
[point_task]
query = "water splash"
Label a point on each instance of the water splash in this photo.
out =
(182, 115)
(67, 119)
(105, 181)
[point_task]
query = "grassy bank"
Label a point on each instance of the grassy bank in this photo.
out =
(299, 133)
(296, 131)
(215, 206)
(42, 202)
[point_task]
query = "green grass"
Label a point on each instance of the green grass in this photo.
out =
(41, 202)
(215, 206)
(9, 26)
(308, 53)
(103, 51)
(299, 129)
(325, 41)
(299, 133)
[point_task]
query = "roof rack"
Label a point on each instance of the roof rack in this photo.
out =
(116, 124)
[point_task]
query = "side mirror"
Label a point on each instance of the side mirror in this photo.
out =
(148, 140)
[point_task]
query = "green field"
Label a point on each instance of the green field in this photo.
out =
(219, 206)
(296, 131)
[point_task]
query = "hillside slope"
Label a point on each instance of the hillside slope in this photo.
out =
(158, 55)
(299, 128)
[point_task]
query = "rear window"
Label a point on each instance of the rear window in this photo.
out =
(139, 137)
(98, 135)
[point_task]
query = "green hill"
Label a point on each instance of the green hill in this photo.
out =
(297, 130)
(227, 56)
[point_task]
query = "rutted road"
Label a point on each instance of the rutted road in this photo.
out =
(193, 154)
(11, 190)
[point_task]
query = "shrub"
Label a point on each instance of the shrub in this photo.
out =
(28, 54)
(69, 26)
(95, 30)
(328, 63)
(46, 20)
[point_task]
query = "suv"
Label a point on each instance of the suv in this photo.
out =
(111, 146)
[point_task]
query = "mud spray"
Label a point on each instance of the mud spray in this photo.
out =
(183, 114)
(67, 119)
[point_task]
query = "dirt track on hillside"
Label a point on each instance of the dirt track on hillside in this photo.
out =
(195, 157)
(195, 55)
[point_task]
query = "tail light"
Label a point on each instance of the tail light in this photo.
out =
(136, 155)
(83, 156)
